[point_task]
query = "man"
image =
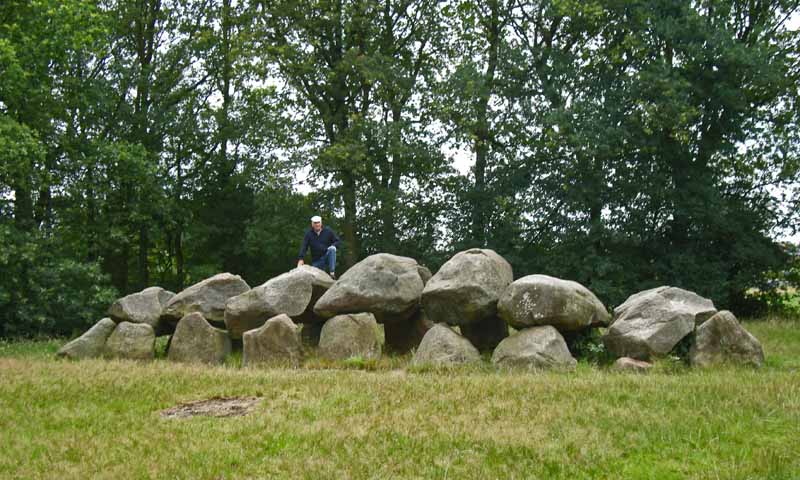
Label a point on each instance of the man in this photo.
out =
(323, 243)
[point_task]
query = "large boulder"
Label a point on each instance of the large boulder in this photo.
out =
(388, 286)
(207, 298)
(467, 287)
(534, 348)
(141, 307)
(442, 346)
(131, 341)
(320, 283)
(277, 341)
(196, 341)
(542, 300)
(652, 322)
(722, 339)
(91, 343)
(350, 335)
(289, 293)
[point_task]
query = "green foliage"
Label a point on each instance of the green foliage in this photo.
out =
(44, 293)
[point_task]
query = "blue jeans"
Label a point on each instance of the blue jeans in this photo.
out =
(326, 262)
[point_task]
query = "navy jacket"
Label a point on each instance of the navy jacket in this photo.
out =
(319, 243)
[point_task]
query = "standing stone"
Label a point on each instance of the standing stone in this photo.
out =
(207, 298)
(350, 335)
(289, 293)
(142, 307)
(91, 343)
(627, 364)
(442, 346)
(534, 348)
(542, 300)
(277, 341)
(196, 341)
(132, 341)
(424, 273)
(485, 334)
(722, 339)
(388, 286)
(652, 322)
(467, 287)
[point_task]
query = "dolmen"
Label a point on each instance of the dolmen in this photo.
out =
(469, 310)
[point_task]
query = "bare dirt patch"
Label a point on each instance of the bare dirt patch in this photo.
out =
(213, 407)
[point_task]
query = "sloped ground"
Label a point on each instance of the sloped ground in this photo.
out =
(102, 419)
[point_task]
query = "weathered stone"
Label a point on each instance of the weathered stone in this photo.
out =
(132, 341)
(485, 334)
(91, 343)
(534, 348)
(402, 336)
(350, 335)
(207, 298)
(320, 283)
(467, 287)
(722, 339)
(196, 341)
(652, 322)
(277, 341)
(385, 285)
(442, 346)
(424, 273)
(141, 307)
(627, 364)
(542, 300)
(289, 293)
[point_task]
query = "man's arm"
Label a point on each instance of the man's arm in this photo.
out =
(336, 240)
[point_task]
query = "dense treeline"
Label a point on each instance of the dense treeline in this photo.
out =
(622, 144)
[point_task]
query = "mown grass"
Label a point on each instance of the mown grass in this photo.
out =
(359, 419)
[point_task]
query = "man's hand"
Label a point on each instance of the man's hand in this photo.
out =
(300, 263)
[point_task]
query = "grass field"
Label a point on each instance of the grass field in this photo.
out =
(100, 419)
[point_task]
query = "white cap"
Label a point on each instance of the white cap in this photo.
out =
(316, 218)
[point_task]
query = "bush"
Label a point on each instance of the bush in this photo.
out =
(43, 292)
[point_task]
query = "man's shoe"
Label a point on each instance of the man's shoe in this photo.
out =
(333, 275)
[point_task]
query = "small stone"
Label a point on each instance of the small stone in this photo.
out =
(534, 348)
(277, 341)
(132, 341)
(350, 335)
(91, 343)
(442, 346)
(627, 364)
(196, 341)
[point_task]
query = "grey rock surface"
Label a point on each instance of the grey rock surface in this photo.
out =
(534, 348)
(388, 286)
(442, 346)
(131, 341)
(350, 335)
(467, 287)
(141, 307)
(627, 364)
(652, 322)
(543, 300)
(196, 341)
(91, 344)
(289, 293)
(277, 342)
(723, 340)
(207, 297)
